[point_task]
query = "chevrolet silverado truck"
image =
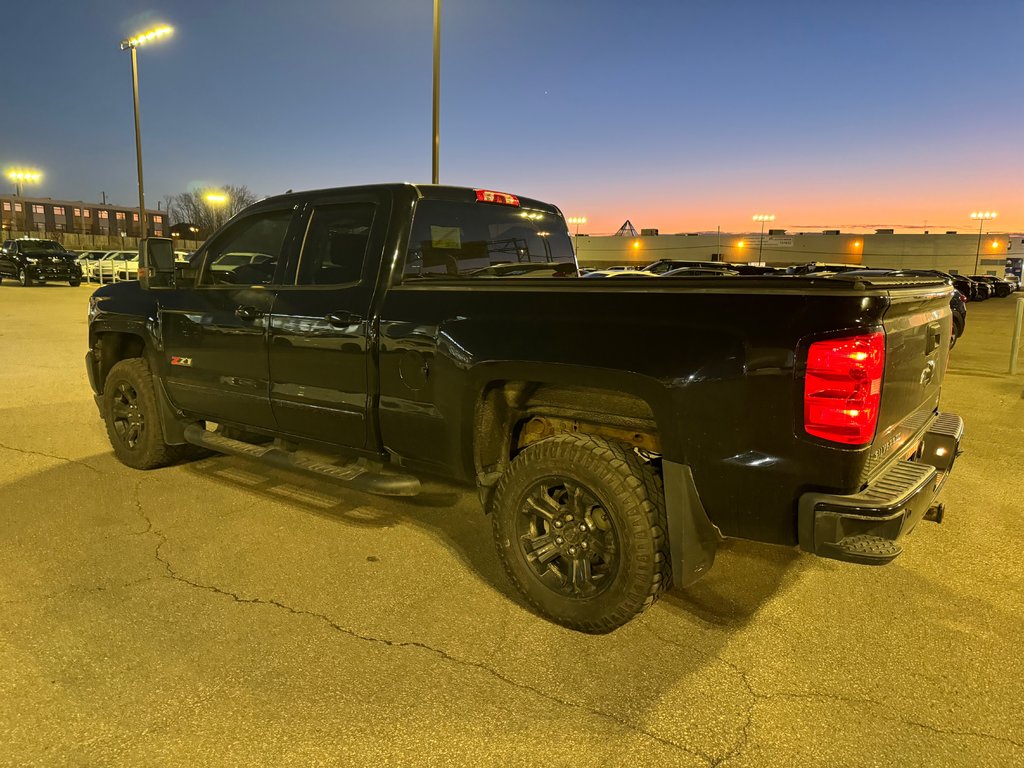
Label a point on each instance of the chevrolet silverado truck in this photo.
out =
(616, 431)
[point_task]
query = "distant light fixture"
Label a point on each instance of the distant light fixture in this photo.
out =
(636, 243)
(146, 37)
(741, 244)
(856, 243)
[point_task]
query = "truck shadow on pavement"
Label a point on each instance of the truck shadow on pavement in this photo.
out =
(745, 574)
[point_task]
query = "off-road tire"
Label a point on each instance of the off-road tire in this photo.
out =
(130, 382)
(628, 492)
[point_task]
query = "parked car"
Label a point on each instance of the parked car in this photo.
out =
(699, 272)
(527, 270)
(1013, 280)
(615, 434)
(1000, 288)
(30, 260)
(128, 268)
(105, 269)
(661, 266)
(619, 272)
(85, 257)
(980, 290)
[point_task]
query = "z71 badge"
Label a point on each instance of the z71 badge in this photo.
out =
(185, 361)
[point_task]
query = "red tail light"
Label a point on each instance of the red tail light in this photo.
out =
(843, 388)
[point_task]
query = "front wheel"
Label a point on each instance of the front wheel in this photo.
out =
(23, 278)
(74, 282)
(579, 524)
(132, 417)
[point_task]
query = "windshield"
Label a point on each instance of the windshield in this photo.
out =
(41, 246)
(471, 239)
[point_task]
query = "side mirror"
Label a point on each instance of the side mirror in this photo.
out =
(156, 263)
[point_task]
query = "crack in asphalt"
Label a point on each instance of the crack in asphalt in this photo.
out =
(28, 452)
(174, 575)
(742, 739)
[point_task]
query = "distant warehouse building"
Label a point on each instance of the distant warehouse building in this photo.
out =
(951, 251)
(45, 216)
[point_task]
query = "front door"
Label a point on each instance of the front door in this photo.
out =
(319, 354)
(215, 333)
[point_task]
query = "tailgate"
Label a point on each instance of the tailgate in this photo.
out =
(918, 328)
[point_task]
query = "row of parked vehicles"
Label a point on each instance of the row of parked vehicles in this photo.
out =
(967, 287)
(33, 260)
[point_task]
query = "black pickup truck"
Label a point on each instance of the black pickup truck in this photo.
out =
(615, 430)
(29, 261)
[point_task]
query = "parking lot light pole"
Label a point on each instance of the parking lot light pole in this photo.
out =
(435, 165)
(20, 175)
(577, 220)
(762, 217)
(130, 44)
(981, 217)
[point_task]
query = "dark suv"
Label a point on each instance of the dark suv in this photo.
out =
(32, 261)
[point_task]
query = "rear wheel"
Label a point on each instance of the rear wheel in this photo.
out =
(132, 417)
(579, 524)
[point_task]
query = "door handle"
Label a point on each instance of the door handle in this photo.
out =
(248, 313)
(343, 317)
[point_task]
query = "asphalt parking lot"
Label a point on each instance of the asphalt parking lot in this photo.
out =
(217, 613)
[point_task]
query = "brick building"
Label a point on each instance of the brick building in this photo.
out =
(46, 216)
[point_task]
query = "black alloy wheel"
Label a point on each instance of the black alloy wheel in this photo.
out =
(567, 538)
(579, 523)
(128, 420)
(132, 417)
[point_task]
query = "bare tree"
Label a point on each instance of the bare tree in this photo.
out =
(193, 207)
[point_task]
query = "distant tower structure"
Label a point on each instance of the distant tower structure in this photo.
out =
(626, 230)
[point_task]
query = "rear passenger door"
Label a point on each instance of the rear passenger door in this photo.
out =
(321, 383)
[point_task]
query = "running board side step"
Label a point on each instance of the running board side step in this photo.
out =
(358, 477)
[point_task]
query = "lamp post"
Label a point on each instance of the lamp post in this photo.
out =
(435, 156)
(130, 44)
(762, 217)
(577, 220)
(981, 217)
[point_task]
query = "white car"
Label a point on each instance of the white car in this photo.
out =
(106, 267)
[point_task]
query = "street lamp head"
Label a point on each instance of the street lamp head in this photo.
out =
(216, 198)
(764, 217)
(984, 215)
(146, 37)
(576, 220)
(22, 175)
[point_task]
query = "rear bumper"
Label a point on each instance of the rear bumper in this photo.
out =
(867, 527)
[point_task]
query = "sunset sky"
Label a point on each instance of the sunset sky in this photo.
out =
(682, 115)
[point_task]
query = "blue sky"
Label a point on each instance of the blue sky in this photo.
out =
(680, 115)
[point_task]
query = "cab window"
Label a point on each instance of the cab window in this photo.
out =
(248, 253)
(334, 249)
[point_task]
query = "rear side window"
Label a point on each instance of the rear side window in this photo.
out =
(481, 240)
(335, 244)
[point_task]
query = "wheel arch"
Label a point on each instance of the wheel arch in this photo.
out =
(512, 412)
